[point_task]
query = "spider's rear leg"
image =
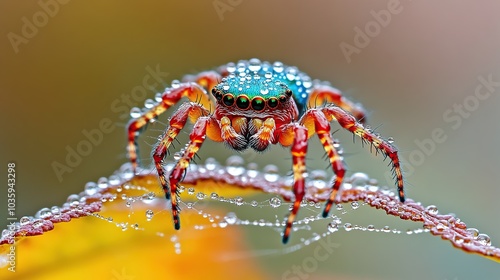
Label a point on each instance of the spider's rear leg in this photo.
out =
(322, 94)
(197, 137)
(348, 122)
(195, 90)
(316, 121)
(299, 150)
(177, 122)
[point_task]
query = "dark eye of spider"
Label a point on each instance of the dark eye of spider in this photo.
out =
(242, 102)
(258, 103)
(282, 98)
(228, 100)
(272, 102)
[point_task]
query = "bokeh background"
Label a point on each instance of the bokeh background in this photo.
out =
(427, 58)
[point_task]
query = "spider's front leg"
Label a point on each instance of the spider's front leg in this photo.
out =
(348, 122)
(195, 89)
(299, 150)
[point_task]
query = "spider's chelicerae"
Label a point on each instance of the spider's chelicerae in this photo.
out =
(253, 104)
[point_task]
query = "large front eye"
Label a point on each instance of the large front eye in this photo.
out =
(228, 100)
(272, 102)
(258, 103)
(242, 102)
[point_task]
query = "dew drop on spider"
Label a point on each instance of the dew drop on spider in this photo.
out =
(91, 188)
(135, 112)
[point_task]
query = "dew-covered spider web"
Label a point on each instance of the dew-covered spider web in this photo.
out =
(216, 197)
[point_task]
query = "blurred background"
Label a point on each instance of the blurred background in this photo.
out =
(70, 67)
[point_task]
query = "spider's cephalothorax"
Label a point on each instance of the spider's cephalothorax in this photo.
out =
(254, 104)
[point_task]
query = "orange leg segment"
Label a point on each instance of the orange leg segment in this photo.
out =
(197, 136)
(177, 122)
(195, 91)
(299, 150)
(322, 94)
(348, 122)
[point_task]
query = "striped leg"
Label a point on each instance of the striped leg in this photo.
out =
(348, 122)
(299, 150)
(194, 90)
(322, 94)
(322, 128)
(197, 136)
(177, 122)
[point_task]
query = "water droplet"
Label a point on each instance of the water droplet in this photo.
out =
(291, 73)
(55, 210)
(339, 207)
(473, 231)
(37, 223)
(484, 239)
(211, 164)
(254, 203)
(73, 200)
(91, 188)
(271, 173)
(158, 97)
(149, 103)
(347, 226)
(44, 213)
(191, 191)
(386, 229)
(231, 218)
(238, 200)
(354, 205)
(275, 202)
(135, 112)
(149, 215)
(24, 220)
(278, 67)
(102, 182)
(230, 67)
(359, 180)
(235, 165)
(264, 91)
(390, 140)
(268, 75)
(370, 228)
(176, 84)
(214, 196)
(432, 209)
(200, 196)
(333, 227)
(223, 224)
(254, 65)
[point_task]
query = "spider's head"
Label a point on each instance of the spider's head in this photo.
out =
(253, 95)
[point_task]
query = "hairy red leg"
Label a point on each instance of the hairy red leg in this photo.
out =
(348, 122)
(197, 136)
(316, 121)
(177, 122)
(322, 94)
(299, 150)
(193, 91)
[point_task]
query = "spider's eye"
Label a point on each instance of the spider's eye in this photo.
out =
(258, 103)
(217, 94)
(242, 102)
(282, 98)
(228, 100)
(288, 92)
(272, 102)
